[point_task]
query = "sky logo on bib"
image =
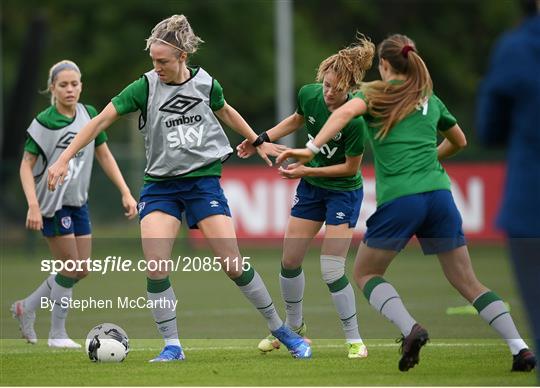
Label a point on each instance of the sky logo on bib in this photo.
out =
(180, 104)
(182, 136)
(75, 166)
(183, 133)
(66, 222)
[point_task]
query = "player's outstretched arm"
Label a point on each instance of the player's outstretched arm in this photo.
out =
(335, 123)
(298, 170)
(108, 163)
(285, 127)
(58, 171)
(235, 121)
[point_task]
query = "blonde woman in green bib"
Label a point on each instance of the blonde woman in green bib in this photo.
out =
(185, 147)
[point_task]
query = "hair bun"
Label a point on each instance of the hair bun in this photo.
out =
(176, 23)
(176, 32)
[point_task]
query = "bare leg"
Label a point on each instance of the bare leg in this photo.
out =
(371, 262)
(458, 269)
(220, 235)
(369, 267)
(298, 237)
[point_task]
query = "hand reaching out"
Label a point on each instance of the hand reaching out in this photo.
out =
(293, 171)
(246, 149)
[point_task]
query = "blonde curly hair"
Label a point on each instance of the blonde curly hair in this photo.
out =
(349, 64)
(176, 32)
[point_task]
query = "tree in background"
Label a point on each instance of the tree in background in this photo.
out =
(105, 38)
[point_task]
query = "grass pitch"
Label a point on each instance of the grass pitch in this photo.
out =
(237, 363)
(220, 330)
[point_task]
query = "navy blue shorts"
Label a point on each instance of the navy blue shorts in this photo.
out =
(333, 206)
(68, 220)
(199, 197)
(432, 216)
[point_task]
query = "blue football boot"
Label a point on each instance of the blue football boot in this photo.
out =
(297, 346)
(170, 353)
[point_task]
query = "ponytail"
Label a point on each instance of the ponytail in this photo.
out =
(391, 103)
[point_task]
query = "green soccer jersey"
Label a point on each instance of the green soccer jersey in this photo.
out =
(134, 98)
(406, 159)
(51, 118)
(348, 142)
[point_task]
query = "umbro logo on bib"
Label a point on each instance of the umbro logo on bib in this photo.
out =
(65, 140)
(180, 104)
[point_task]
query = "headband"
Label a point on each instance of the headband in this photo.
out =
(60, 67)
(169, 44)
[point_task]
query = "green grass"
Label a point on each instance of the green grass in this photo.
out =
(237, 363)
(463, 350)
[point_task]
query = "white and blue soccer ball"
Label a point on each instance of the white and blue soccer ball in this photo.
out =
(107, 342)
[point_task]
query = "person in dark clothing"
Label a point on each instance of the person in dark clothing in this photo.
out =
(508, 112)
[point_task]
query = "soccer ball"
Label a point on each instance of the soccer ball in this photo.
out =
(107, 342)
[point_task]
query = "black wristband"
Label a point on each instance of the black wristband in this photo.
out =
(263, 137)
